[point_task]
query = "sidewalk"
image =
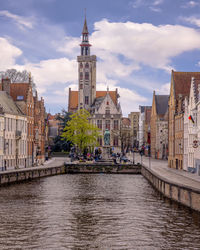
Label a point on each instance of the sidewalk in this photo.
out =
(160, 167)
(53, 162)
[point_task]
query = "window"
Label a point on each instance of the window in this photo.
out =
(116, 124)
(99, 141)
(86, 100)
(115, 141)
(108, 124)
(107, 111)
(99, 124)
(86, 75)
(20, 97)
(81, 65)
(107, 103)
(81, 75)
(81, 86)
(86, 51)
(87, 65)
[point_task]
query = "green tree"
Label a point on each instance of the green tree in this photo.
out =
(59, 143)
(80, 131)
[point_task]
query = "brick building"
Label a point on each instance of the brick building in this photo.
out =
(179, 89)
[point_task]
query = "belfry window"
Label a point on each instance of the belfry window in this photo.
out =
(86, 51)
(81, 75)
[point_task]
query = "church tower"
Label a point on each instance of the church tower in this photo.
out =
(86, 72)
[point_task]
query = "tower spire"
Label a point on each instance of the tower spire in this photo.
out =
(85, 46)
(85, 28)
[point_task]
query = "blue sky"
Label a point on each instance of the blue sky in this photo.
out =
(137, 44)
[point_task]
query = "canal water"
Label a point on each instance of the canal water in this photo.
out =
(93, 212)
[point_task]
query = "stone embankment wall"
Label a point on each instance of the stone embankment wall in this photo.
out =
(187, 196)
(20, 175)
(8, 177)
(95, 168)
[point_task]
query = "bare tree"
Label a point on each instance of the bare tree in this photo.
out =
(18, 76)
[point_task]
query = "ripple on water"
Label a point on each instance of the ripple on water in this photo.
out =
(93, 212)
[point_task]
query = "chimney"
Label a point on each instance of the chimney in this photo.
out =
(6, 85)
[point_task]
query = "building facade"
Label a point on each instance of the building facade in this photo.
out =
(14, 134)
(179, 90)
(191, 126)
(103, 106)
(126, 143)
(34, 111)
(134, 118)
(1, 138)
(159, 126)
(144, 127)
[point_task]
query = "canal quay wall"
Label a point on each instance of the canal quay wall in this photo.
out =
(106, 168)
(185, 195)
(19, 175)
(25, 174)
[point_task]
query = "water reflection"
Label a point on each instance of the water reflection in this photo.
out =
(93, 212)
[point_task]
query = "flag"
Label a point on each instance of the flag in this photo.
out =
(191, 118)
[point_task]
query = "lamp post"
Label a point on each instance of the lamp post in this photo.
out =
(149, 156)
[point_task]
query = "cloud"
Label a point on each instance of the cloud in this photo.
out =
(137, 3)
(158, 2)
(155, 9)
(147, 3)
(191, 4)
(52, 72)
(144, 44)
(22, 22)
(122, 49)
(130, 100)
(164, 89)
(192, 20)
(8, 53)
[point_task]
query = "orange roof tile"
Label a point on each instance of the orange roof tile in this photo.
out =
(113, 95)
(73, 97)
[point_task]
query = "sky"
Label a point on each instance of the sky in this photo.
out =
(137, 44)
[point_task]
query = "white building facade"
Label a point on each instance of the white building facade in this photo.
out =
(14, 134)
(192, 129)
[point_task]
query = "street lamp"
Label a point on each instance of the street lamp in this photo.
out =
(149, 152)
